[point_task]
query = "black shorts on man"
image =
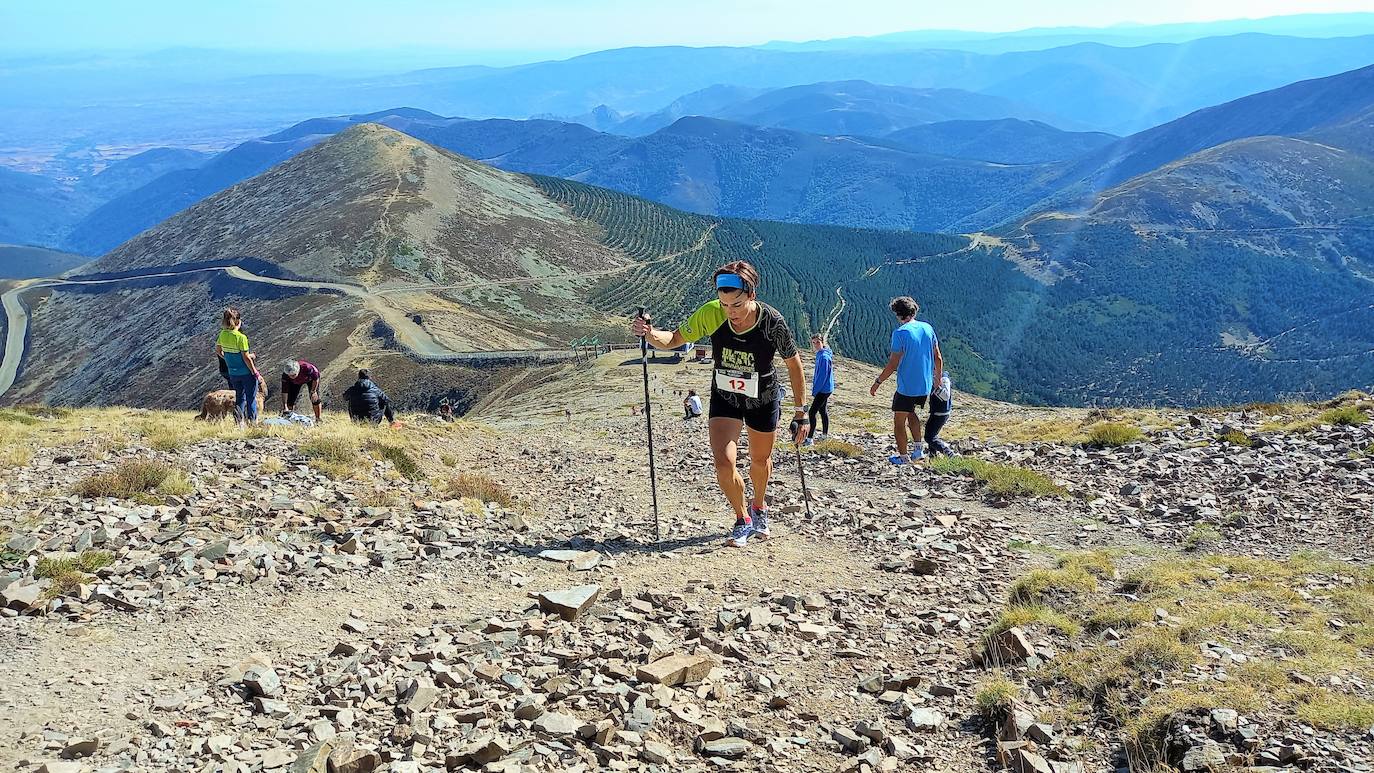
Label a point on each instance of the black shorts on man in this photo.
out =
(906, 403)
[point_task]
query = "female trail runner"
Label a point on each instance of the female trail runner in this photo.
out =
(746, 335)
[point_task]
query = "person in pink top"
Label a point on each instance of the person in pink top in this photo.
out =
(294, 375)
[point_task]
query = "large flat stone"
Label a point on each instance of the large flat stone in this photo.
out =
(569, 604)
(676, 669)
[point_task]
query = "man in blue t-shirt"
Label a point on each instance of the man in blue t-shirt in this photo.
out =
(916, 360)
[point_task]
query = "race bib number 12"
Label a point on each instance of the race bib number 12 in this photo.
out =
(739, 383)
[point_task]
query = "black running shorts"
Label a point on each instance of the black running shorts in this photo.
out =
(764, 418)
(906, 403)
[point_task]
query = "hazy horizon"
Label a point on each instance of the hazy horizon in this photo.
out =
(533, 30)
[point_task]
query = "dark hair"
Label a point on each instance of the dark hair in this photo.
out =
(744, 270)
(904, 307)
(229, 318)
(364, 375)
(691, 393)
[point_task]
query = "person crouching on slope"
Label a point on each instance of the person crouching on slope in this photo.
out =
(367, 402)
(294, 375)
(746, 335)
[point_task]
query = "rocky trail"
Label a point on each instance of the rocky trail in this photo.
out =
(269, 617)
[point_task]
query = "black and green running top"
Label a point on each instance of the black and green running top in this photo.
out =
(744, 374)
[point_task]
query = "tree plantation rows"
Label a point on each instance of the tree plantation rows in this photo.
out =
(1125, 321)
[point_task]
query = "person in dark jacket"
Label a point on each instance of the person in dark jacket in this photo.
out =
(367, 401)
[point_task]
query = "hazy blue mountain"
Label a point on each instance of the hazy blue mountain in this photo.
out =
(1006, 141)
(36, 210)
(144, 207)
(1313, 25)
(707, 101)
(138, 170)
(23, 262)
(1336, 108)
(867, 109)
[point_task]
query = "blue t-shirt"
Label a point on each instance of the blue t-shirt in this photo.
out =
(916, 372)
(823, 380)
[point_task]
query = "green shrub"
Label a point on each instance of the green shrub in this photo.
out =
(996, 696)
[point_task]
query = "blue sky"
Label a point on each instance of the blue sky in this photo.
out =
(565, 25)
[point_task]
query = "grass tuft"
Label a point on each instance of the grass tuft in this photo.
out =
(996, 697)
(833, 447)
(998, 480)
(1345, 416)
(70, 572)
(1111, 434)
(127, 480)
(477, 486)
(399, 457)
(1237, 438)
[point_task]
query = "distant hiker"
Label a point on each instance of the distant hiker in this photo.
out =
(232, 345)
(691, 405)
(940, 402)
(822, 385)
(367, 402)
(567, 414)
(445, 409)
(915, 359)
(294, 375)
(746, 335)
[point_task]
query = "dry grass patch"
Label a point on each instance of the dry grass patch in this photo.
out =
(833, 447)
(475, 485)
(127, 480)
(1277, 612)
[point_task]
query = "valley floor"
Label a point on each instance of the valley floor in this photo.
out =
(264, 601)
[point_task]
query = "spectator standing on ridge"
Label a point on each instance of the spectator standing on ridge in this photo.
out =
(294, 375)
(367, 402)
(232, 347)
(916, 360)
(822, 386)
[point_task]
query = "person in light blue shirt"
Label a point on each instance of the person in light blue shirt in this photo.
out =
(916, 360)
(822, 386)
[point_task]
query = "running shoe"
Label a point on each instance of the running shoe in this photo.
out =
(759, 520)
(917, 454)
(897, 459)
(807, 443)
(739, 536)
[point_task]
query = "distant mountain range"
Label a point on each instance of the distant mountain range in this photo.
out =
(699, 164)
(372, 242)
(956, 176)
(1086, 81)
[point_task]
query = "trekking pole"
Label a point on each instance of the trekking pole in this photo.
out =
(806, 494)
(649, 424)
